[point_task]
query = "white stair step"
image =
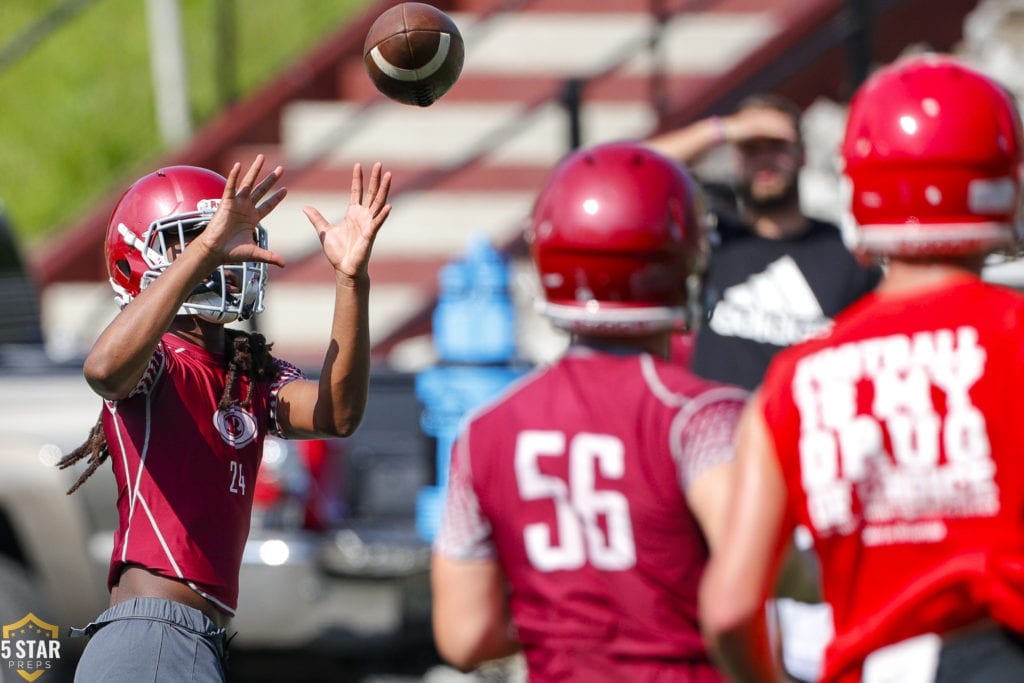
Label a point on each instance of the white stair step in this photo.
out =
(577, 45)
(421, 224)
(446, 133)
(297, 317)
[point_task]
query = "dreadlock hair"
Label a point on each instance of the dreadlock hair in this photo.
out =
(248, 356)
(95, 446)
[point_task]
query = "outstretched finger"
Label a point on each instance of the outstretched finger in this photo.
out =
(320, 224)
(271, 202)
(380, 185)
(380, 196)
(264, 185)
(374, 183)
(250, 176)
(380, 217)
(267, 256)
(229, 186)
(356, 197)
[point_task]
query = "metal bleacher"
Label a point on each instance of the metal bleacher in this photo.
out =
(540, 77)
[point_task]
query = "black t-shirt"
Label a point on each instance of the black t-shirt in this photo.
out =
(762, 295)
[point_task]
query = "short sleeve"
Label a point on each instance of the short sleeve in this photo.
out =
(286, 372)
(704, 431)
(152, 372)
(465, 533)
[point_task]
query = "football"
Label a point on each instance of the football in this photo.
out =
(413, 53)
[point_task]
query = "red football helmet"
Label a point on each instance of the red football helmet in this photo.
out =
(932, 158)
(618, 236)
(156, 217)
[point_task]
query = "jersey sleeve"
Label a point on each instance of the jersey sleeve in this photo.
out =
(286, 372)
(151, 373)
(704, 431)
(465, 533)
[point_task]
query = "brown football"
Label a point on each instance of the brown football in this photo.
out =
(413, 53)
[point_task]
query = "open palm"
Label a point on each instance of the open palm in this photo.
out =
(231, 231)
(347, 244)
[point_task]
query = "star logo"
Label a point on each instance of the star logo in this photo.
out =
(30, 646)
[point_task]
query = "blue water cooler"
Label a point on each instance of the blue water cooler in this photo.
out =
(475, 339)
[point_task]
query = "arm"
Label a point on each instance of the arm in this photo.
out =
(739, 577)
(707, 460)
(471, 620)
(689, 143)
(472, 623)
(120, 355)
(708, 497)
(334, 405)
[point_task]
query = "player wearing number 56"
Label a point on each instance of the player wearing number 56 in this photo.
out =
(187, 403)
(582, 502)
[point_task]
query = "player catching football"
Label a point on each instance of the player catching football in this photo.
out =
(895, 437)
(187, 403)
(582, 502)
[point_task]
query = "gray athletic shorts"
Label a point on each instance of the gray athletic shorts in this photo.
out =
(152, 639)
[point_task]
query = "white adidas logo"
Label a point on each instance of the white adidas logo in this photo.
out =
(775, 306)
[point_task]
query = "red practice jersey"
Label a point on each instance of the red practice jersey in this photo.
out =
(574, 481)
(185, 470)
(898, 434)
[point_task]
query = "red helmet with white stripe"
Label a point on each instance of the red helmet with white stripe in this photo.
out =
(932, 160)
(154, 219)
(618, 236)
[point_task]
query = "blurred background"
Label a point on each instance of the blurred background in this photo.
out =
(96, 93)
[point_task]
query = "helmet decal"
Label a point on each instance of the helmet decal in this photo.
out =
(208, 206)
(992, 195)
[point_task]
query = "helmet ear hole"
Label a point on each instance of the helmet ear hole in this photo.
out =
(123, 267)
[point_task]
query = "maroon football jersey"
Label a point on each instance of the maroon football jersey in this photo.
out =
(899, 438)
(574, 480)
(185, 470)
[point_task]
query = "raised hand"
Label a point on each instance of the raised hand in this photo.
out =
(756, 122)
(347, 244)
(231, 232)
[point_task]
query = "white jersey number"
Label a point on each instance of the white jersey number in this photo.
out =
(579, 506)
(237, 478)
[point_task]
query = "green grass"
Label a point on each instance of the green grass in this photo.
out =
(77, 112)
